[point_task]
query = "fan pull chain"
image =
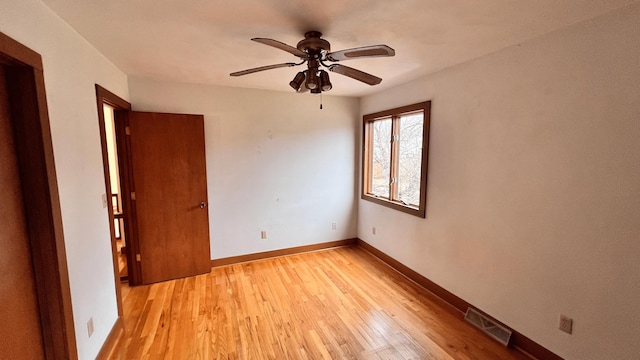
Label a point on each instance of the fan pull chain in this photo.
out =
(320, 101)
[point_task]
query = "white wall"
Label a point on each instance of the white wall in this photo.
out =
(533, 205)
(275, 162)
(71, 68)
(533, 199)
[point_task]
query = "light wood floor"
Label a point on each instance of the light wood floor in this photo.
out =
(337, 304)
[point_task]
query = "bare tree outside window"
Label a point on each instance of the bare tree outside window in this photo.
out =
(381, 158)
(410, 158)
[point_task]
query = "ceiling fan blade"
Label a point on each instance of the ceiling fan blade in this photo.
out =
(261, 68)
(281, 46)
(365, 51)
(355, 74)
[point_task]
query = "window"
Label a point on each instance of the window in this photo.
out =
(395, 152)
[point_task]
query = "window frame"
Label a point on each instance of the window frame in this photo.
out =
(367, 135)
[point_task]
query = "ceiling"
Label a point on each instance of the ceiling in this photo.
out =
(202, 41)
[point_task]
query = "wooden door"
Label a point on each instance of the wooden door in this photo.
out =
(168, 176)
(21, 332)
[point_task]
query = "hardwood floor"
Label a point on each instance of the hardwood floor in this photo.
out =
(336, 304)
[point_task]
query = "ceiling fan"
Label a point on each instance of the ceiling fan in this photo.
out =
(316, 52)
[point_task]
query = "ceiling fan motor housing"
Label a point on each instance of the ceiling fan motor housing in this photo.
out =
(313, 44)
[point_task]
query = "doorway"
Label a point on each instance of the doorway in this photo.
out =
(108, 104)
(18, 290)
(35, 299)
(114, 193)
(155, 176)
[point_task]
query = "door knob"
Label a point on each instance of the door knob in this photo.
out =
(203, 204)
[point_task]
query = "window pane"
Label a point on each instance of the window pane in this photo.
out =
(381, 157)
(410, 158)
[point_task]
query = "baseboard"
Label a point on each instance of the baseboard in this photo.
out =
(282, 252)
(518, 341)
(114, 335)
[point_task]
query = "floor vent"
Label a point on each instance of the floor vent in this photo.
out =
(488, 326)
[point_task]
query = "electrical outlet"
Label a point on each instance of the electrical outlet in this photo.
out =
(373, 230)
(90, 326)
(334, 226)
(263, 234)
(566, 324)
(105, 203)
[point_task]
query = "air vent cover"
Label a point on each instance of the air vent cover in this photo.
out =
(488, 326)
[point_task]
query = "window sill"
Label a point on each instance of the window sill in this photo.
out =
(412, 210)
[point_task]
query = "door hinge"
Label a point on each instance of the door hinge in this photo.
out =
(127, 130)
(138, 258)
(133, 195)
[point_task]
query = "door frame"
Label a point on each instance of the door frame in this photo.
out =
(32, 133)
(122, 107)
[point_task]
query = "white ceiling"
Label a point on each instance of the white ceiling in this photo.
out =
(202, 41)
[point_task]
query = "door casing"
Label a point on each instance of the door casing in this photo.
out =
(34, 150)
(104, 96)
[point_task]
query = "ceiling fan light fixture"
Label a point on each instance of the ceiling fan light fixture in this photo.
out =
(312, 80)
(297, 81)
(325, 83)
(303, 88)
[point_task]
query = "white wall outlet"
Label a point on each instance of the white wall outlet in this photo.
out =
(105, 203)
(373, 230)
(263, 234)
(566, 324)
(334, 226)
(90, 326)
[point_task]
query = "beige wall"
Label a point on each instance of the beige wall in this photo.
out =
(533, 203)
(275, 162)
(71, 68)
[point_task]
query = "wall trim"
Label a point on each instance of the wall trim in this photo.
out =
(518, 341)
(282, 252)
(117, 331)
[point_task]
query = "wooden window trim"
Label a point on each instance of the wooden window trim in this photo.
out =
(367, 133)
